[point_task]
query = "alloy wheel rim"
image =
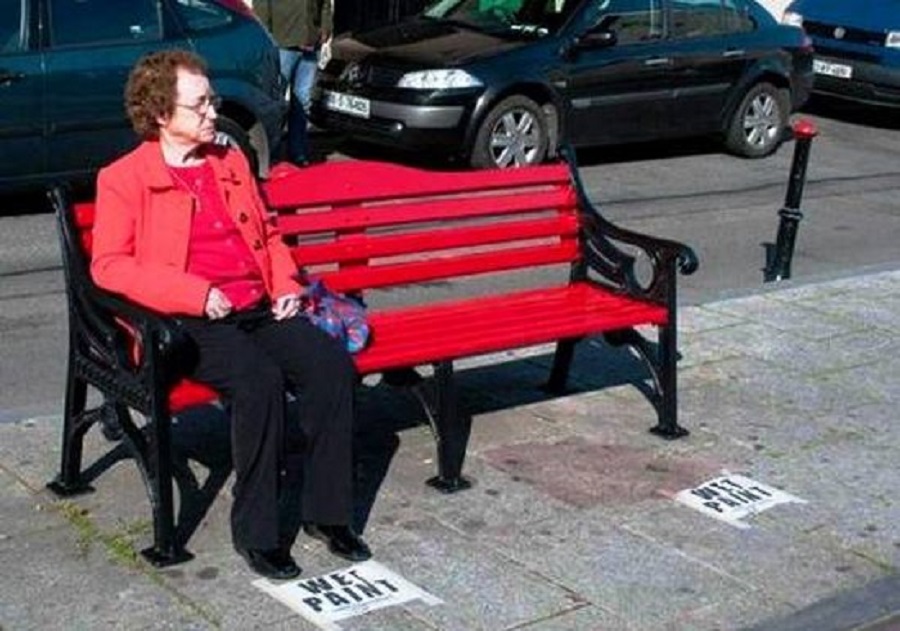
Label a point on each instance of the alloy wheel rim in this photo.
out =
(515, 139)
(762, 121)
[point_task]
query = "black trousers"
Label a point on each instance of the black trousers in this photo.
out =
(251, 359)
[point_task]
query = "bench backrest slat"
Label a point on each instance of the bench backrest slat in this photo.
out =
(349, 249)
(371, 277)
(419, 210)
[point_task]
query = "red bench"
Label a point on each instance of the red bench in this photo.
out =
(365, 227)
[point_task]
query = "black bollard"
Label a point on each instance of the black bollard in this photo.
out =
(779, 267)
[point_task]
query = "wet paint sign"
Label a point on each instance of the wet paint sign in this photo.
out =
(327, 599)
(732, 498)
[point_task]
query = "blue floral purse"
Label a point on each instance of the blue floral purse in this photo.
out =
(341, 316)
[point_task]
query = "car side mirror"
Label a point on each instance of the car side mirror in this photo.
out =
(597, 38)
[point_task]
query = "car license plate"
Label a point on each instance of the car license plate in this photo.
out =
(347, 104)
(841, 71)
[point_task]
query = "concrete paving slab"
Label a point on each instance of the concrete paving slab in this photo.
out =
(703, 318)
(789, 352)
(52, 581)
(649, 584)
(855, 610)
(794, 317)
(793, 569)
(482, 588)
(497, 502)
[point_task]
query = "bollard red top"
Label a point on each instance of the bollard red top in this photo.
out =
(804, 128)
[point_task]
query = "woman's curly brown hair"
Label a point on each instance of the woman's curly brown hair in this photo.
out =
(151, 88)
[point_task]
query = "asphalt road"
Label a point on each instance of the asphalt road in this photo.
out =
(725, 207)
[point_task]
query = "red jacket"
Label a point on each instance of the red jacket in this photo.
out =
(143, 224)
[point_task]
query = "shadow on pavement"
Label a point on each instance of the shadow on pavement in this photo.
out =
(201, 436)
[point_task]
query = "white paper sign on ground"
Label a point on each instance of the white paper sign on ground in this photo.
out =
(731, 498)
(324, 600)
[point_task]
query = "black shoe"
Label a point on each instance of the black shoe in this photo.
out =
(274, 564)
(341, 541)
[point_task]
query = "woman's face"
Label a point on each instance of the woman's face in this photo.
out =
(193, 120)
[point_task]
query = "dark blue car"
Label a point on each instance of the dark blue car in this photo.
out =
(857, 47)
(63, 67)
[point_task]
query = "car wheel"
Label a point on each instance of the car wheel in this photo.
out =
(757, 125)
(513, 134)
(230, 133)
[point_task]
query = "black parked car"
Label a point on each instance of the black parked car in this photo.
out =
(64, 63)
(503, 82)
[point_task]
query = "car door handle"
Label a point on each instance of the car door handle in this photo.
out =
(658, 61)
(734, 52)
(10, 77)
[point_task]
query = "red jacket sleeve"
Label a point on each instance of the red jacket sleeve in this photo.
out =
(146, 277)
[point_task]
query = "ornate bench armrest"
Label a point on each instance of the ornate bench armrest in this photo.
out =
(118, 346)
(612, 252)
(161, 338)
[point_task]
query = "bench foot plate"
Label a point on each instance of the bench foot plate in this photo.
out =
(669, 433)
(451, 485)
(60, 489)
(157, 559)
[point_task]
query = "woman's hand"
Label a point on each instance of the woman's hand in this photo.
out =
(217, 304)
(286, 306)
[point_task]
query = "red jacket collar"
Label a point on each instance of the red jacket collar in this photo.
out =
(149, 154)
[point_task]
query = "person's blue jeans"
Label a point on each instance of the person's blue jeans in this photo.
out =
(298, 67)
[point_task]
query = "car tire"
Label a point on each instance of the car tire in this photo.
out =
(757, 126)
(231, 134)
(514, 133)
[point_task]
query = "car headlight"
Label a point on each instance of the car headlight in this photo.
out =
(893, 39)
(792, 18)
(438, 80)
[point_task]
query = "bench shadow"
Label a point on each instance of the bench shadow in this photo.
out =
(597, 365)
(387, 410)
(201, 436)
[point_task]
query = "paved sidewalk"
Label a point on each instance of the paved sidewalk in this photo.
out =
(571, 524)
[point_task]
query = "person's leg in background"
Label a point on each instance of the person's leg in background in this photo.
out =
(299, 67)
(289, 59)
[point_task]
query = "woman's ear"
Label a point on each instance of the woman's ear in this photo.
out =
(163, 119)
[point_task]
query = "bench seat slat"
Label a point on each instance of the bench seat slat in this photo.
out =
(424, 211)
(371, 277)
(444, 331)
(373, 246)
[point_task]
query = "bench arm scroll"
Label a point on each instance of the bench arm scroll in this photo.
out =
(608, 250)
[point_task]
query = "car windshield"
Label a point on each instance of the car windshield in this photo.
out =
(528, 17)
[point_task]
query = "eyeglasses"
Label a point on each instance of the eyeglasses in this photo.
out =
(202, 108)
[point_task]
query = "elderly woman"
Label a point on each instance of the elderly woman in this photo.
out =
(180, 228)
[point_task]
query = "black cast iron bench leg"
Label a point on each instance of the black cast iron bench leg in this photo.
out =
(451, 431)
(75, 424)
